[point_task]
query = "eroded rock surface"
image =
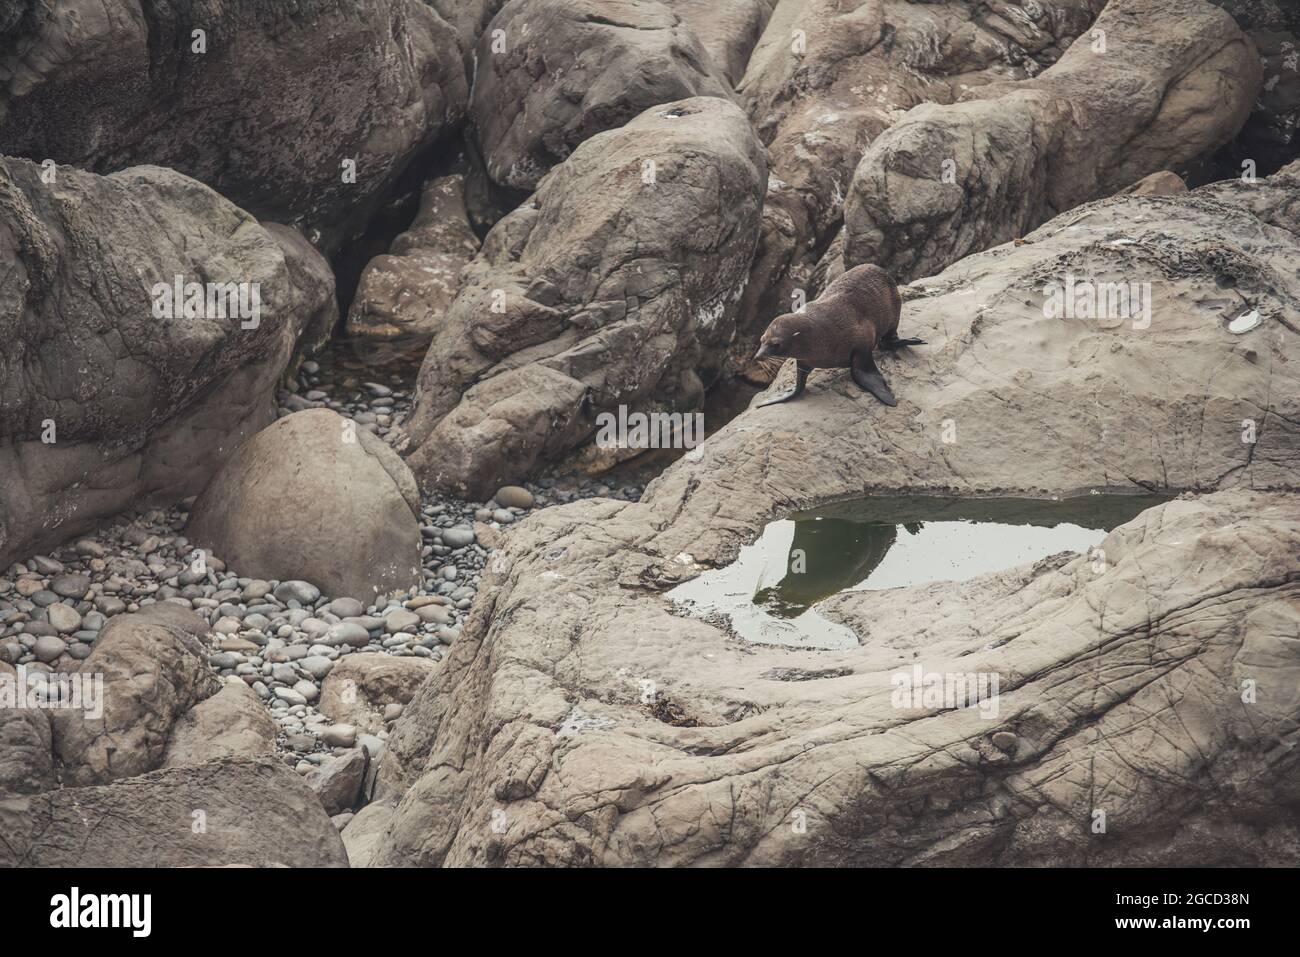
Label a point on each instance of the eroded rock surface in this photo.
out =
(617, 284)
(233, 723)
(553, 73)
(154, 669)
(282, 93)
(828, 77)
(314, 498)
(541, 716)
(1156, 83)
(406, 292)
(103, 404)
(254, 813)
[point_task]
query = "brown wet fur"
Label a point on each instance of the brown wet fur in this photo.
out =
(855, 312)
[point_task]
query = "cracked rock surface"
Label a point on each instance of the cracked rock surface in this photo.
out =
(1121, 689)
(616, 284)
(1167, 81)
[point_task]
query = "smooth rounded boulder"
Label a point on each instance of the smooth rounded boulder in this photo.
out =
(315, 498)
(552, 73)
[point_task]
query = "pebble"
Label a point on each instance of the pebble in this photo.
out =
(457, 537)
(513, 496)
(64, 618)
(49, 648)
(339, 736)
(401, 620)
(346, 633)
(290, 696)
(70, 586)
(302, 592)
(346, 607)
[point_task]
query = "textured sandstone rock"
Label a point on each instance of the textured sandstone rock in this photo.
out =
(829, 76)
(26, 757)
(253, 813)
(552, 73)
(102, 405)
(359, 686)
(406, 292)
(154, 670)
(542, 725)
(727, 29)
(1122, 686)
(233, 723)
(617, 284)
(1156, 83)
(314, 498)
(284, 92)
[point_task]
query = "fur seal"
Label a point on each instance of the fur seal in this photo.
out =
(839, 330)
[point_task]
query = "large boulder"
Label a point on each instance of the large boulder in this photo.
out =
(1121, 688)
(616, 285)
(154, 668)
(727, 29)
(1159, 693)
(233, 723)
(552, 73)
(406, 292)
(1156, 83)
(104, 404)
(266, 113)
(230, 812)
(314, 498)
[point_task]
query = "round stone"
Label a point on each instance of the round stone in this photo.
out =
(339, 736)
(290, 696)
(514, 496)
(48, 649)
(346, 607)
(302, 592)
(346, 633)
(401, 620)
(64, 618)
(457, 537)
(70, 586)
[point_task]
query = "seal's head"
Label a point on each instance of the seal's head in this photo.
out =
(781, 338)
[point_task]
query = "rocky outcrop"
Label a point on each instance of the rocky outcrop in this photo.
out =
(727, 29)
(553, 73)
(265, 107)
(1156, 83)
(26, 747)
(154, 669)
(110, 394)
(616, 285)
(233, 723)
(359, 687)
(252, 813)
(315, 498)
(579, 720)
(406, 292)
(830, 76)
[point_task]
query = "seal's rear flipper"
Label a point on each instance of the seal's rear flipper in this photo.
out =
(800, 380)
(866, 375)
(891, 341)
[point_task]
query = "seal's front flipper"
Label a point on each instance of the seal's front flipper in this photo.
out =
(891, 341)
(866, 375)
(800, 380)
